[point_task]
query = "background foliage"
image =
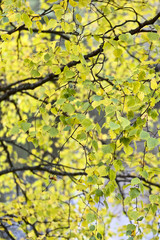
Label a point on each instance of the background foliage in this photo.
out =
(79, 130)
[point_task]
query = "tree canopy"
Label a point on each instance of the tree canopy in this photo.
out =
(79, 119)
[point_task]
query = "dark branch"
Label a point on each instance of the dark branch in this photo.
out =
(141, 178)
(51, 77)
(146, 23)
(41, 169)
(141, 25)
(6, 230)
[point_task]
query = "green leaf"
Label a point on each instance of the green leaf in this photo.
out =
(118, 165)
(99, 193)
(95, 145)
(153, 208)
(56, 70)
(144, 135)
(53, 131)
(99, 236)
(96, 98)
(98, 128)
(81, 136)
(119, 196)
(32, 133)
(127, 37)
(141, 76)
(141, 187)
(152, 143)
(110, 110)
(127, 200)
(131, 227)
(85, 106)
(124, 122)
(60, 101)
(25, 126)
(144, 174)
(114, 126)
(46, 128)
(112, 175)
(125, 141)
(86, 123)
(154, 114)
(92, 228)
(35, 142)
(67, 128)
(80, 117)
(32, 220)
(153, 36)
(126, 185)
(106, 204)
(134, 192)
(90, 179)
(68, 108)
(128, 233)
(153, 198)
(35, 73)
(135, 181)
(14, 130)
(91, 217)
(68, 73)
(92, 238)
(108, 148)
(133, 132)
(140, 219)
(133, 214)
(47, 57)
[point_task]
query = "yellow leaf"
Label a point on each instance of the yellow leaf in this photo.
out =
(117, 52)
(36, 18)
(141, 96)
(51, 1)
(84, 224)
(39, 25)
(52, 24)
(27, 20)
(72, 3)
(128, 150)
(102, 171)
(90, 171)
(141, 75)
(126, 91)
(153, 84)
(48, 106)
(79, 17)
(152, 102)
(50, 92)
(6, 37)
(133, 233)
(136, 87)
(30, 139)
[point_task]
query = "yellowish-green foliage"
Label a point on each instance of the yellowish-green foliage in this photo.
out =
(79, 119)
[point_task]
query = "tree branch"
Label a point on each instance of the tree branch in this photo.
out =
(41, 169)
(54, 77)
(141, 178)
(51, 77)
